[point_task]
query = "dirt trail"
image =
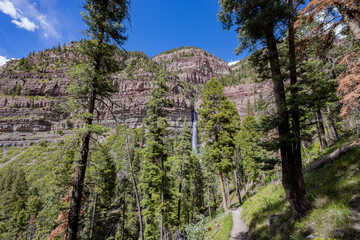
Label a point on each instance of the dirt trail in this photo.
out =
(239, 230)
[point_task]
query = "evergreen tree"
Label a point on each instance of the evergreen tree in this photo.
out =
(318, 90)
(101, 180)
(154, 182)
(188, 172)
(218, 124)
(104, 19)
(262, 22)
(13, 200)
(183, 161)
(254, 161)
(248, 149)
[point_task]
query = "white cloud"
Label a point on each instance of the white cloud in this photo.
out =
(26, 15)
(3, 60)
(49, 29)
(233, 62)
(26, 24)
(8, 8)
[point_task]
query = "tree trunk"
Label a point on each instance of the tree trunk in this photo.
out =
(350, 19)
(193, 203)
(137, 197)
(209, 201)
(93, 217)
(237, 186)
(332, 124)
(75, 204)
(237, 182)
(294, 108)
(223, 192)
(227, 187)
(179, 201)
(162, 200)
(292, 177)
(332, 156)
(321, 129)
(124, 217)
(215, 193)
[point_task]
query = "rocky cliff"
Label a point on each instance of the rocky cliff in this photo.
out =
(33, 102)
(192, 64)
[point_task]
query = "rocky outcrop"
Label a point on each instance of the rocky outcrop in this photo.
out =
(193, 65)
(33, 99)
(250, 94)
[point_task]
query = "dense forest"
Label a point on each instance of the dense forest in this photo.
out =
(289, 164)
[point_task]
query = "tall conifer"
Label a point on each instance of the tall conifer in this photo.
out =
(218, 125)
(104, 19)
(264, 22)
(153, 182)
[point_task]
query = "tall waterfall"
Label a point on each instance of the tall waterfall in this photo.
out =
(194, 138)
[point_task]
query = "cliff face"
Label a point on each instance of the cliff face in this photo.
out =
(250, 95)
(193, 65)
(33, 102)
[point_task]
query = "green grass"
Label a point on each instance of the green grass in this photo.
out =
(224, 223)
(8, 153)
(316, 154)
(329, 190)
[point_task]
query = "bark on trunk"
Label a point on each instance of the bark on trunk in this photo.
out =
(332, 125)
(237, 184)
(193, 203)
(321, 130)
(93, 217)
(237, 180)
(292, 177)
(124, 217)
(162, 200)
(180, 189)
(294, 108)
(350, 19)
(137, 197)
(209, 201)
(75, 205)
(227, 187)
(223, 192)
(332, 156)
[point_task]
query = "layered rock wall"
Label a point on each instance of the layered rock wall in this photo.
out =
(33, 92)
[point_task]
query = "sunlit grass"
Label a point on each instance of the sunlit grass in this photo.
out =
(224, 223)
(329, 190)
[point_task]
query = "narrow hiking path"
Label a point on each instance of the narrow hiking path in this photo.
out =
(239, 230)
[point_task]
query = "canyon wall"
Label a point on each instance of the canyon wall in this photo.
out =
(34, 106)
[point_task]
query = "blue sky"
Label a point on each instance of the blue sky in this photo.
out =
(156, 26)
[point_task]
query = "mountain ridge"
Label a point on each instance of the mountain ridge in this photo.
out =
(33, 89)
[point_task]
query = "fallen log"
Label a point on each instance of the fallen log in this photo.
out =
(332, 156)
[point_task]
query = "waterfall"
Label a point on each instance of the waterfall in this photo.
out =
(194, 138)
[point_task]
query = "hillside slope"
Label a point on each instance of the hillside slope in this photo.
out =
(334, 194)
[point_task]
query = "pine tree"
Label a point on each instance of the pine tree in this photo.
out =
(188, 173)
(101, 180)
(262, 22)
(14, 194)
(318, 90)
(349, 10)
(105, 26)
(153, 173)
(183, 161)
(248, 149)
(218, 124)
